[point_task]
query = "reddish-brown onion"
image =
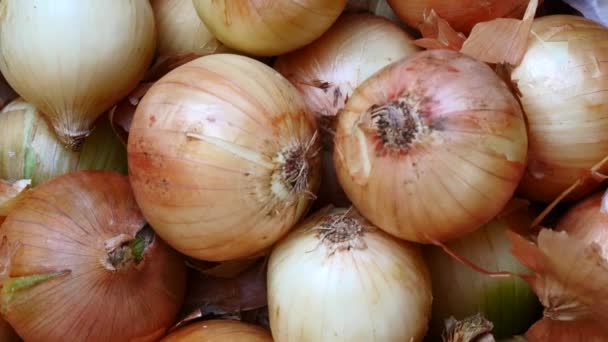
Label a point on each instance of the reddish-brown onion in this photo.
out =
(80, 265)
(219, 331)
(431, 147)
(461, 14)
(223, 157)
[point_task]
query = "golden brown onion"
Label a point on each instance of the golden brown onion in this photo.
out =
(219, 331)
(431, 147)
(223, 157)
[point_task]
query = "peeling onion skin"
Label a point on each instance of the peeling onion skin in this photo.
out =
(372, 287)
(205, 150)
(268, 27)
(563, 80)
(454, 163)
(64, 224)
(219, 331)
(462, 15)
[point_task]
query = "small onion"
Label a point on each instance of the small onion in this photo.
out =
(462, 15)
(338, 278)
(563, 80)
(181, 31)
(75, 59)
(219, 331)
(459, 291)
(431, 147)
(223, 157)
(81, 265)
(268, 28)
(30, 149)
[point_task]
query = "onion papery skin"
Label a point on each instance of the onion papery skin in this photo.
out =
(462, 15)
(32, 151)
(563, 79)
(64, 227)
(209, 150)
(268, 27)
(452, 162)
(509, 303)
(181, 31)
(219, 331)
(338, 278)
(81, 57)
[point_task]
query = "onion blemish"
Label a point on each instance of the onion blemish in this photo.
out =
(123, 251)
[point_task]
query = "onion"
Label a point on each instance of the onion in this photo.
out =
(80, 265)
(338, 278)
(462, 15)
(327, 71)
(268, 28)
(30, 149)
(431, 147)
(219, 331)
(563, 80)
(181, 31)
(459, 291)
(223, 157)
(74, 59)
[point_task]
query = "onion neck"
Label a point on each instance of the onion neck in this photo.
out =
(339, 232)
(123, 251)
(474, 328)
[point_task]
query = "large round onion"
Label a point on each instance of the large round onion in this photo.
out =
(219, 331)
(223, 157)
(181, 31)
(268, 28)
(338, 278)
(462, 15)
(30, 149)
(431, 147)
(81, 265)
(75, 59)
(563, 80)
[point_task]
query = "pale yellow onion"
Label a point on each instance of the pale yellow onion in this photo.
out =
(30, 149)
(431, 147)
(74, 59)
(181, 31)
(219, 331)
(563, 80)
(459, 291)
(223, 157)
(461, 14)
(268, 28)
(339, 278)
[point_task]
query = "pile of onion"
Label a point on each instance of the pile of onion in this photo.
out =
(181, 31)
(462, 15)
(563, 80)
(327, 71)
(32, 151)
(431, 147)
(570, 275)
(339, 278)
(219, 331)
(268, 28)
(223, 157)
(79, 263)
(74, 59)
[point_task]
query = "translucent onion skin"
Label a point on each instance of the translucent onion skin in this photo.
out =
(459, 291)
(268, 28)
(32, 151)
(181, 31)
(223, 157)
(68, 228)
(81, 57)
(563, 80)
(462, 15)
(431, 147)
(338, 278)
(219, 331)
